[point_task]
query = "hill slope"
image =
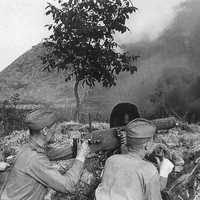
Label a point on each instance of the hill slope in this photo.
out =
(25, 76)
(172, 58)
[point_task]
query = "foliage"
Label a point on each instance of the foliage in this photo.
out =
(10, 117)
(183, 143)
(82, 42)
(95, 116)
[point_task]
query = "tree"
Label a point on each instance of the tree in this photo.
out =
(82, 42)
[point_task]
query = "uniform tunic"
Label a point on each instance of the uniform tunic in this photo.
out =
(128, 177)
(33, 173)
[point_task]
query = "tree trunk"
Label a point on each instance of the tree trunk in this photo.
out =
(77, 110)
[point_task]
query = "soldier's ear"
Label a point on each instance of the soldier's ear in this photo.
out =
(148, 144)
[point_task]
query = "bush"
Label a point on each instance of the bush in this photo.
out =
(11, 118)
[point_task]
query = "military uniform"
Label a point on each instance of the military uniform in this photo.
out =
(33, 172)
(128, 176)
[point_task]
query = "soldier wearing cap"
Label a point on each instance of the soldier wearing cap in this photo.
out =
(33, 172)
(129, 176)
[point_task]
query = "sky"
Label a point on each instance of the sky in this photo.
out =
(22, 24)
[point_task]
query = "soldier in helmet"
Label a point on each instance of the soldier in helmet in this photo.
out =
(129, 176)
(33, 172)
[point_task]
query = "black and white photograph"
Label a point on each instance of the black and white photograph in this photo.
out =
(100, 100)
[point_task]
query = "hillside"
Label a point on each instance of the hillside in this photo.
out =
(25, 76)
(170, 63)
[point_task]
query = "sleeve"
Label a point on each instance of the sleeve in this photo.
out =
(60, 153)
(107, 171)
(42, 170)
(163, 183)
(153, 188)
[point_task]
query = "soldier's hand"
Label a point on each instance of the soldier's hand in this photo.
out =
(3, 166)
(166, 167)
(83, 151)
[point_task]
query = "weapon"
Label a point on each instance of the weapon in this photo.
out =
(107, 140)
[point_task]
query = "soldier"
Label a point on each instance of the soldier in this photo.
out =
(129, 176)
(33, 172)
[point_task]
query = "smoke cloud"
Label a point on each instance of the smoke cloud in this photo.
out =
(150, 20)
(177, 55)
(169, 62)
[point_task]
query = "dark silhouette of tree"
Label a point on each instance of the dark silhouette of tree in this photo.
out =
(82, 42)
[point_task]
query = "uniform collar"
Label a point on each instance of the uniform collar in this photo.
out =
(135, 155)
(34, 145)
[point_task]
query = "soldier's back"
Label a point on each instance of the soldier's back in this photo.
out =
(125, 177)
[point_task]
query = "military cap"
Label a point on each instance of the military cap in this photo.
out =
(140, 128)
(41, 118)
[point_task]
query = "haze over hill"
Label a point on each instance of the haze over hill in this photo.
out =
(175, 54)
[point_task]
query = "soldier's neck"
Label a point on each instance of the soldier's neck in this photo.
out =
(37, 139)
(138, 152)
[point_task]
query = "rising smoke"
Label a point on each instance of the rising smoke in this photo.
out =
(177, 53)
(169, 65)
(168, 69)
(150, 20)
